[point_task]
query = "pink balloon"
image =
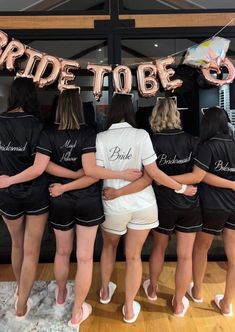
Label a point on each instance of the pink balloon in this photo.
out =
(33, 57)
(66, 75)
(148, 85)
(3, 40)
(122, 79)
(14, 50)
(42, 66)
(165, 74)
(229, 79)
(99, 72)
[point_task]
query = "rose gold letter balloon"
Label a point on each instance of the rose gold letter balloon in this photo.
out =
(33, 57)
(3, 40)
(213, 80)
(99, 72)
(66, 75)
(122, 79)
(42, 66)
(148, 85)
(165, 74)
(14, 50)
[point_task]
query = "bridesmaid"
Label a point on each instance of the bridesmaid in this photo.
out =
(24, 207)
(62, 150)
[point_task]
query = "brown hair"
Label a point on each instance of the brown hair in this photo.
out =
(69, 113)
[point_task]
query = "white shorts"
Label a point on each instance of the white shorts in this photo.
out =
(138, 220)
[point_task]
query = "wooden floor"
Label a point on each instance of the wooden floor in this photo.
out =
(154, 316)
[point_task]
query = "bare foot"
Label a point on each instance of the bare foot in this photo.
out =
(129, 313)
(225, 308)
(196, 294)
(21, 311)
(178, 308)
(76, 317)
(61, 296)
(104, 293)
(152, 291)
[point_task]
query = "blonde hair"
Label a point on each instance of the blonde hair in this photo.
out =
(69, 112)
(165, 115)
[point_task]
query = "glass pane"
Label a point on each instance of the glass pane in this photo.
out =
(177, 5)
(53, 5)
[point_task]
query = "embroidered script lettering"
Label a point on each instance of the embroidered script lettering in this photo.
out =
(118, 154)
(219, 166)
(9, 147)
(69, 146)
(164, 160)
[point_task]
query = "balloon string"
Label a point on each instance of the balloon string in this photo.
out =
(188, 48)
(216, 34)
(224, 27)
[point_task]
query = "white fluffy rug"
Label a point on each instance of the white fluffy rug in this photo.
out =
(43, 317)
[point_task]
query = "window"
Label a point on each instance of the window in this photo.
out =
(54, 5)
(84, 51)
(174, 5)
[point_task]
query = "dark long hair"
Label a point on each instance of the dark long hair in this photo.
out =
(121, 109)
(69, 113)
(214, 122)
(23, 94)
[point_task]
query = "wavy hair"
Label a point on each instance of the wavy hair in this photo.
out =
(165, 115)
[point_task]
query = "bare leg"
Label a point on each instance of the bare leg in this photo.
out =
(156, 261)
(107, 262)
(16, 230)
(85, 248)
(201, 246)
(183, 274)
(34, 229)
(134, 241)
(64, 247)
(229, 240)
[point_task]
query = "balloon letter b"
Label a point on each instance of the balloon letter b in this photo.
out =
(148, 85)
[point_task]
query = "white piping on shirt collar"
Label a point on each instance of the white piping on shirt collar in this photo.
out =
(120, 125)
(169, 133)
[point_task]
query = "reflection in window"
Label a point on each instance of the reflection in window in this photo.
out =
(177, 5)
(53, 5)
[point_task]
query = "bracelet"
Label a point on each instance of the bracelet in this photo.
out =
(182, 189)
